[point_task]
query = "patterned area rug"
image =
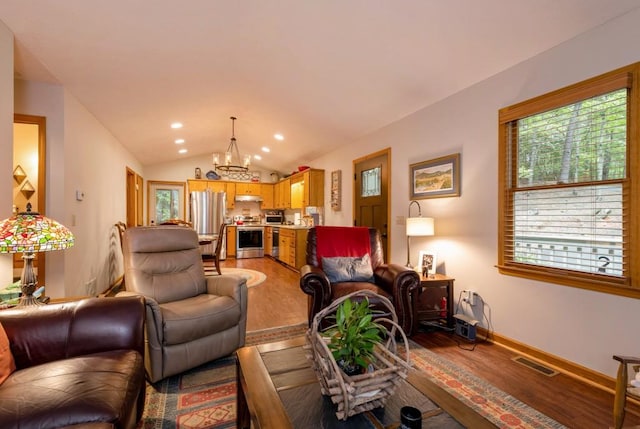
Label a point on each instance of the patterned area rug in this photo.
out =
(254, 278)
(205, 397)
(275, 334)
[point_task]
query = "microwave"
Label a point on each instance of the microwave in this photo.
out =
(273, 219)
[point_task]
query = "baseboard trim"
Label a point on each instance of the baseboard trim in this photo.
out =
(564, 366)
(571, 369)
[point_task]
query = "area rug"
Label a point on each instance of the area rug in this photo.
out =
(254, 278)
(205, 397)
(271, 335)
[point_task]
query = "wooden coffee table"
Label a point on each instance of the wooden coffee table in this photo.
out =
(278, 389)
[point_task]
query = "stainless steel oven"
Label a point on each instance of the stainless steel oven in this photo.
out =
(249, 241)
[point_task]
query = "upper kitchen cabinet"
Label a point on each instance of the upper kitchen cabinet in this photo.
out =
(282, 194)
(248, 188)
(266, 192)
(307, 189)
(230, 189)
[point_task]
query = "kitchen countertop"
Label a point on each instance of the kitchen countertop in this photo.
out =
(275, 226)
(291, 226)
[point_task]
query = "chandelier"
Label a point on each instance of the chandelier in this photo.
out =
(234, 167)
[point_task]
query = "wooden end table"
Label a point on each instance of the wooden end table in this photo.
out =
(428, 305)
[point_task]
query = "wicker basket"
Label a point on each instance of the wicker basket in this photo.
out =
(362, 392)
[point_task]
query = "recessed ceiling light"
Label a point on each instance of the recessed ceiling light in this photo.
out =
(278, 137)
(266, 149)
(176, 125)
(179, 141)
(182, 151)
(258, 157)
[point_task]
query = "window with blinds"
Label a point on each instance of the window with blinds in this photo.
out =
(565, 194)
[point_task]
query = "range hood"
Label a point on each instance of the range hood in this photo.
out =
(251, 198)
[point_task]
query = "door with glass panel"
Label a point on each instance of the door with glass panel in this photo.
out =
(371, 200)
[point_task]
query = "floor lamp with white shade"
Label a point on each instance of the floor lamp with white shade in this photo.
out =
(417, 227)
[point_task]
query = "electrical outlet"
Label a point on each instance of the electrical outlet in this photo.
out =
(469, 297)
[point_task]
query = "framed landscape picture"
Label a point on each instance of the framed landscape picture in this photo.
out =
(435, 178)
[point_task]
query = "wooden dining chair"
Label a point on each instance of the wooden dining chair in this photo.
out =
(624, 390)
(218, 250)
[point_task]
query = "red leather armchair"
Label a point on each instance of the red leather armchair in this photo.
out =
(395, 282)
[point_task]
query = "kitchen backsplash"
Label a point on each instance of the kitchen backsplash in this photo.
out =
(248, 208)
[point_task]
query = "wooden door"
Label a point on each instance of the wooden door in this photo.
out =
(370, 193)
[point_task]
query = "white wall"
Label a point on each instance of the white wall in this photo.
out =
(95, 164)
(42, 99)
(6, 139)
(578, 325)
(81, 155)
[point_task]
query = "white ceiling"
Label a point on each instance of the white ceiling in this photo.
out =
(323, 73)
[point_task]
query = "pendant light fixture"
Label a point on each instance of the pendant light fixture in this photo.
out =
(232, 166)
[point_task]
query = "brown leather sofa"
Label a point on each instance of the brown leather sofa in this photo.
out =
(78, 365)
(394, 282)
(191, 318)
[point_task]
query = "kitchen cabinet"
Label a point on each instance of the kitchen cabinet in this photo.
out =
(230, 189)
(293, 246)
(282, 194)
(203, 185)
(248, 188)
(307, 189)
(196, 185)
(268, 241)
(277, 191)
(297, 191)
(231, 241)
(266, 192)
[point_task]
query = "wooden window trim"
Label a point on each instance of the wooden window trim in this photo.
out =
(625, 77)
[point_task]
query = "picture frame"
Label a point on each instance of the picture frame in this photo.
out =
(336, 190)
(435, 178)
(427, 263)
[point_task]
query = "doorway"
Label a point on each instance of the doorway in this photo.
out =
(165, 201)
(29, 177)
(134, 194)
(371, 193)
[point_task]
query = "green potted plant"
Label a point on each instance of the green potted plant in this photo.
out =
(353, 336)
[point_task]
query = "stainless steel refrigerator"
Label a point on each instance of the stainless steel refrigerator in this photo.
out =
(207, 210)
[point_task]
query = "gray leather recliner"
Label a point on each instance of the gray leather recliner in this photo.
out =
(191, 319)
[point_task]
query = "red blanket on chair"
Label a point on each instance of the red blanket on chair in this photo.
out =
(341, 241)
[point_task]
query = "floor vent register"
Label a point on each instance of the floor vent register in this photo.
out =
(542, 369)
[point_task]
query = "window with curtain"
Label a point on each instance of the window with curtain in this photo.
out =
(566, 173)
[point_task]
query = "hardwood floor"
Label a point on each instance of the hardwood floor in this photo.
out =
(276, 302)
(279, 302)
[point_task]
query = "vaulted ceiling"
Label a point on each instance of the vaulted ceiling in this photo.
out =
(322, 73)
